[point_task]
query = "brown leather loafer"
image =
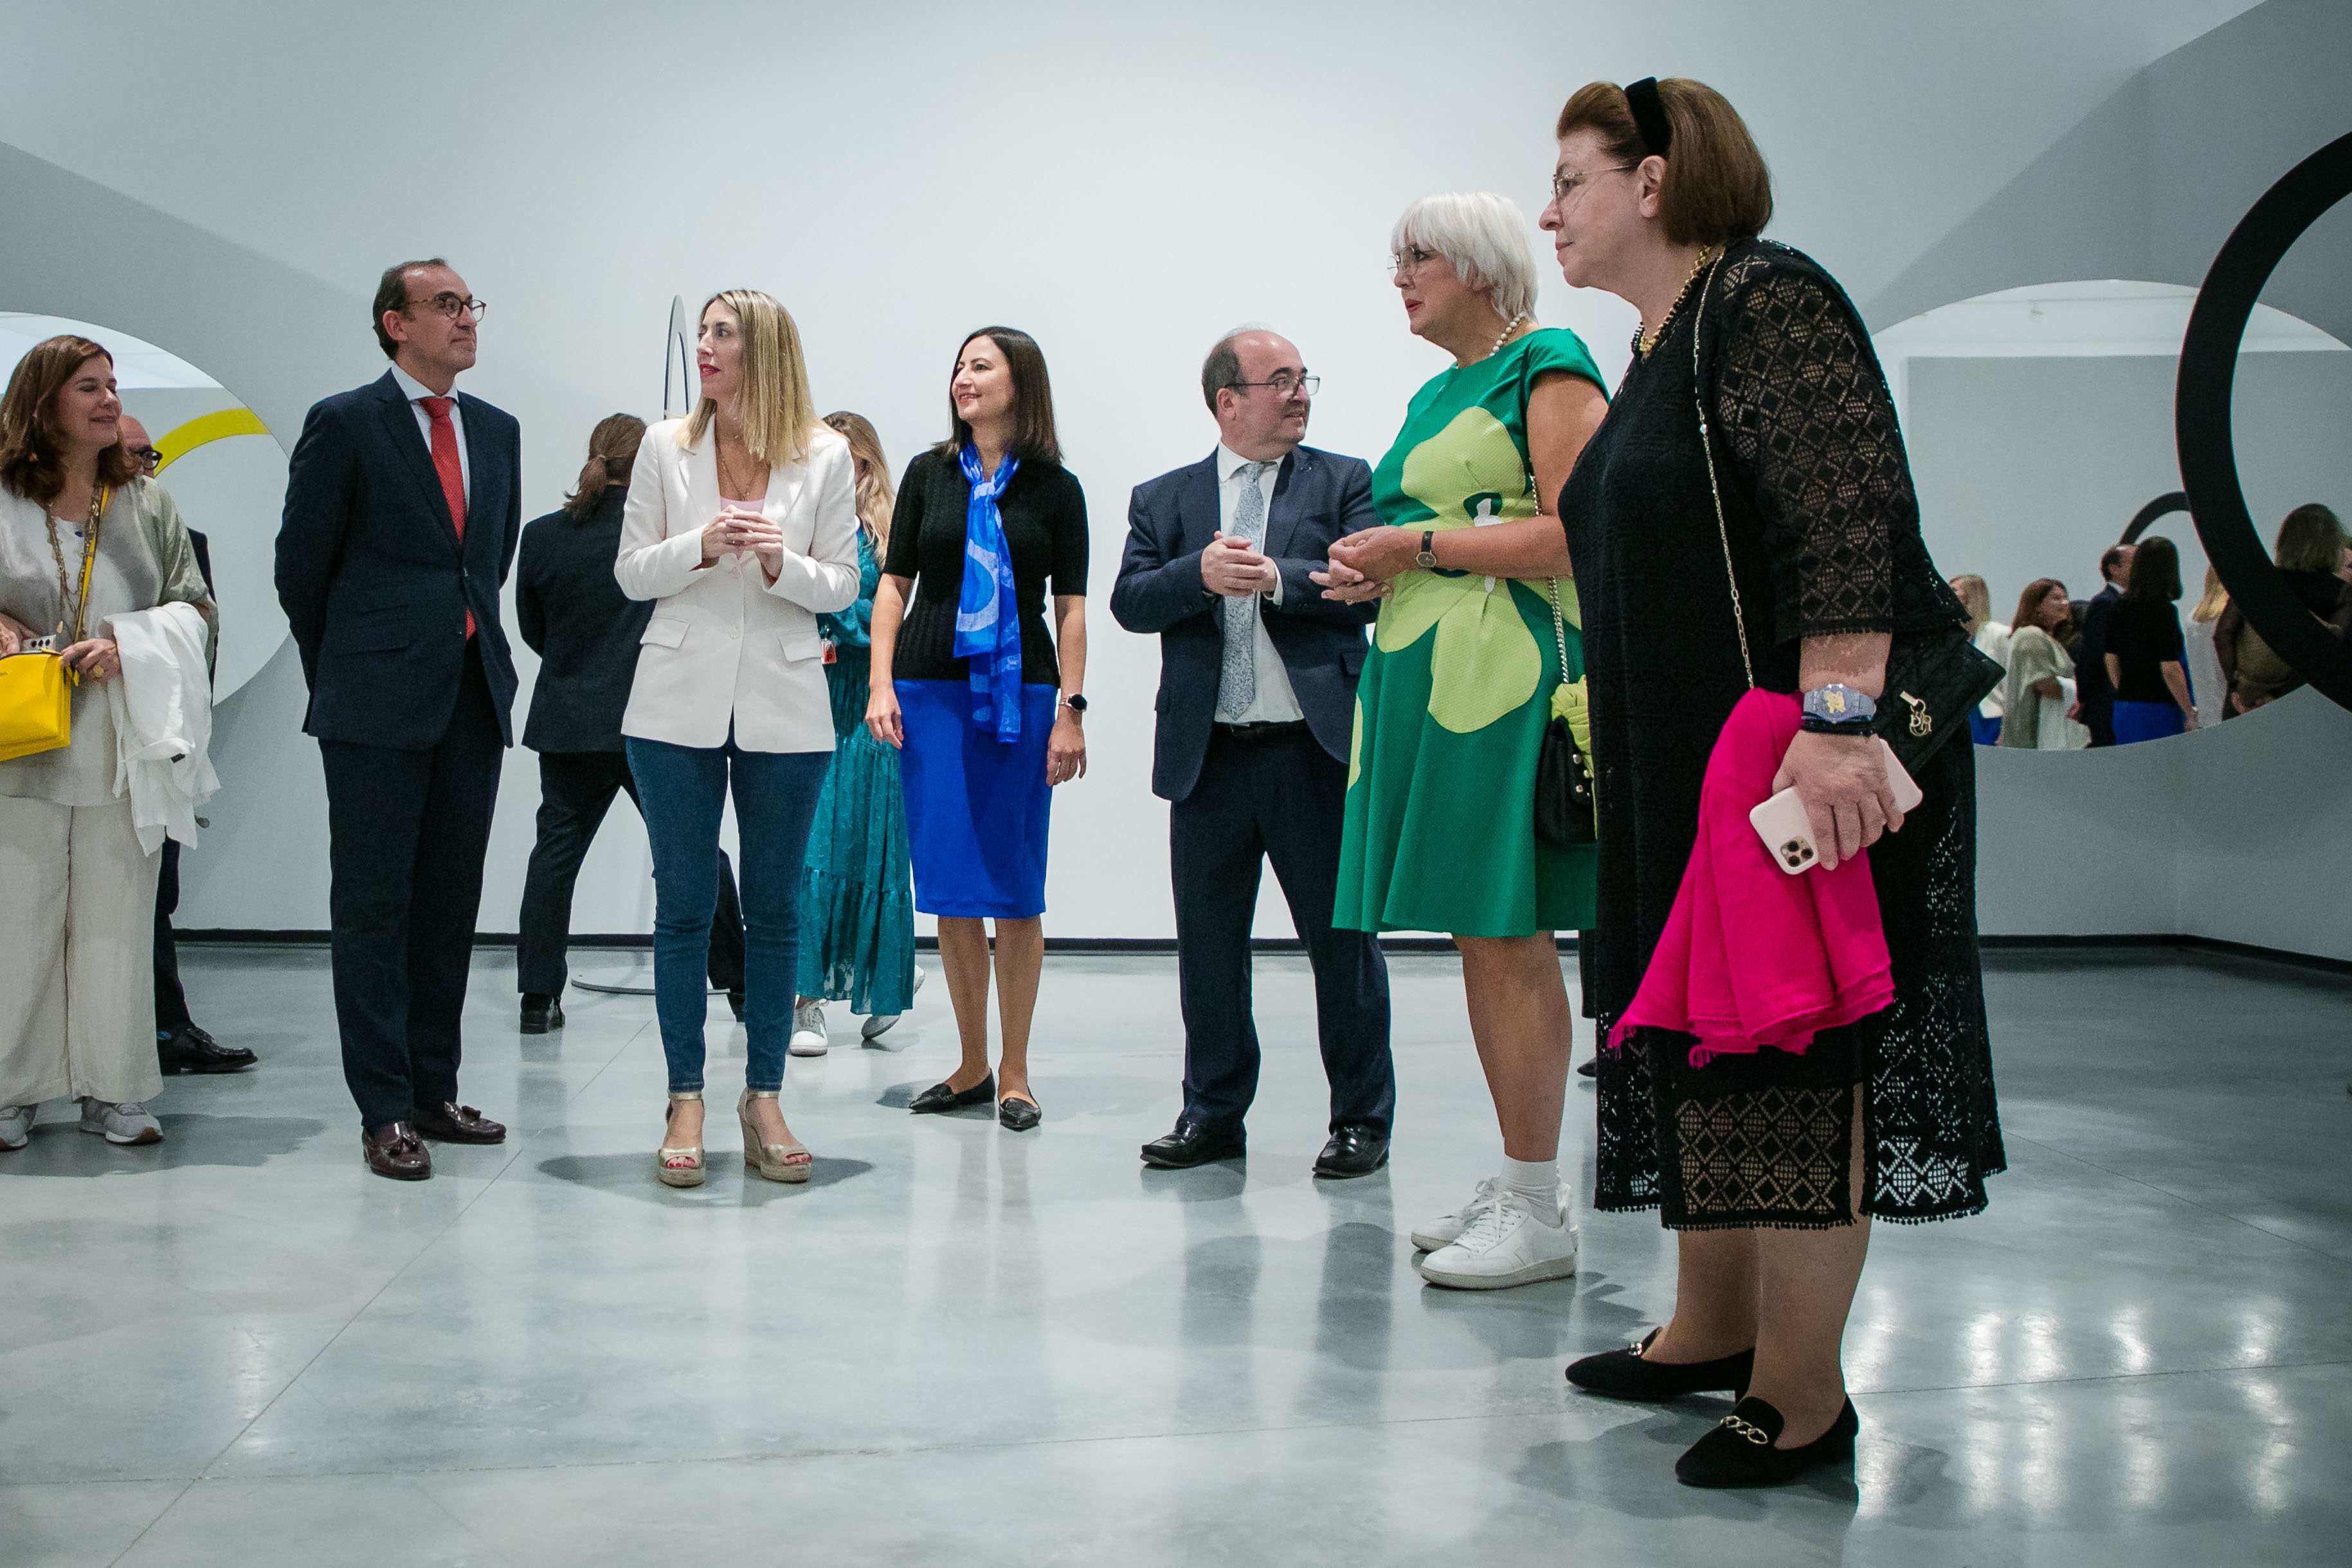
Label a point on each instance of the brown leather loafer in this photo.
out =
(393, 1150)
(455, 1124)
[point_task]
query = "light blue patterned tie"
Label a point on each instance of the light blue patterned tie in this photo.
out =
(1237, 682)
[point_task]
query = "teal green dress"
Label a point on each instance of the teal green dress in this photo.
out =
(858, 913)
(1450, 713)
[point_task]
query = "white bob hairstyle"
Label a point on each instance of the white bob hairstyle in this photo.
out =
(1484, 235)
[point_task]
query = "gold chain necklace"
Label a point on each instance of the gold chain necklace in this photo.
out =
(66, 601)
(726, 480)
(1645, 341)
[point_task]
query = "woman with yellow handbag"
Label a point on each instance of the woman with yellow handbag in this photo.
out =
(82, 540)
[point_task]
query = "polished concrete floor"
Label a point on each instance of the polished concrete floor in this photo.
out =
(958, 1345)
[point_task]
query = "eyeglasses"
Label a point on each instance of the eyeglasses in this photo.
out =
(1283, 384)
(452, 307)
(1410, 260)
(1566, 185)
(145, 456)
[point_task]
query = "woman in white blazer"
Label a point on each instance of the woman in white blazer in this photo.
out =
(741, 524)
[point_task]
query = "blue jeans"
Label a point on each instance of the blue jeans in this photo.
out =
(684, 788)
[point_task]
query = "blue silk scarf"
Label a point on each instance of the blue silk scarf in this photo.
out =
(988, 626)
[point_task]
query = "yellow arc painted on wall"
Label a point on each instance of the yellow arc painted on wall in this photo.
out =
(218, 426)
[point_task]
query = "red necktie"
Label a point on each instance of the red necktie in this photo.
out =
(453, 473)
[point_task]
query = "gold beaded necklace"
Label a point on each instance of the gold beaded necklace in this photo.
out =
(1645, 341)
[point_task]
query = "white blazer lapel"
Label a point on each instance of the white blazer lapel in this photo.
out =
(785, 484)
(699, 466)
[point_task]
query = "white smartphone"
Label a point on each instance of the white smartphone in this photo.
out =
(1787, 833)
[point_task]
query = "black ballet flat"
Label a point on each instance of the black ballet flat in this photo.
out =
(940, 1097)
(1018, 1115)
(1624, 1374)
(1739, 1451)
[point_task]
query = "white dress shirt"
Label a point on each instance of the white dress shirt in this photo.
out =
(1274, 702)
(414, 392)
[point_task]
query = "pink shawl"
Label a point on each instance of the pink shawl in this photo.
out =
(1751, 956)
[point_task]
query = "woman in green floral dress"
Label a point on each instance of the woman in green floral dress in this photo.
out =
(1466, 659)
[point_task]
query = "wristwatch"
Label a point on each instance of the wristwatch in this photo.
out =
(1838, 709)
(1427, 558)
(1076, 702)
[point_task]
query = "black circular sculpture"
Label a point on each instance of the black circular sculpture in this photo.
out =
(2164, 505)
(2200, 415)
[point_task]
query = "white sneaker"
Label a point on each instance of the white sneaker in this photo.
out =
(809, 1038)
(1506, 1244)
(17, 1125)
(877, 1025)
(127, 1123)
(1447, 1228)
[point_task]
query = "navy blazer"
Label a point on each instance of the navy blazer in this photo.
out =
(570, 609)
(1317, 497)
(372, 577)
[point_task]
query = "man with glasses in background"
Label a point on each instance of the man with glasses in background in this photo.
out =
(1257, 690)
(180, 1045)
(403, 511)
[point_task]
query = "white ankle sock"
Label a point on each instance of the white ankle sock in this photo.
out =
(1536, 1183)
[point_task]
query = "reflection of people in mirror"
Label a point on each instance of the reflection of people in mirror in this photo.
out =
(2146, 658)
(2038, 697)
(2311, 553)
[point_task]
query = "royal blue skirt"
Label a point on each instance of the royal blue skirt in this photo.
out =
(976, 807)
(2146, 721)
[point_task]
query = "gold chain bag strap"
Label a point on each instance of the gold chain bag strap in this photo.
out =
(1564, 799)
(36, 688)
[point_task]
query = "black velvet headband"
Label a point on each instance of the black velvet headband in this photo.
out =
(1650, 115)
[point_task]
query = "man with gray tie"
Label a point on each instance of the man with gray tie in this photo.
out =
(1257, 687)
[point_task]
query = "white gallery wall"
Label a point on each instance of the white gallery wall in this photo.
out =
(1123, 183)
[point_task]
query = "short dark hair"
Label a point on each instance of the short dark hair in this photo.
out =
(1033, 397)
(2155, 570)
(2311, 539)
(1221, 368)
(2114, 556)
(392, 294)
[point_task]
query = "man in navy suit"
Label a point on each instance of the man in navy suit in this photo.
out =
(403, 510)
(1257, 688)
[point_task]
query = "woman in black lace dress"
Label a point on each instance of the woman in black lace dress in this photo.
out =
(1770, 1165)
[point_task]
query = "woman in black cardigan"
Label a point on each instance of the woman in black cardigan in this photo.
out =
(988, 708)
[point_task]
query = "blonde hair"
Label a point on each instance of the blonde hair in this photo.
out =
(1484, 235)
(2216, 600)
(1975, 598)
(778, 414)
(875, 499)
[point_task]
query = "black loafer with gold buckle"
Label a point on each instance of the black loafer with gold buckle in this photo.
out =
(1739, 1452)
(1625, 1374)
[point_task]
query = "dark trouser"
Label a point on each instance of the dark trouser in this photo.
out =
(1279, 798)
(2099, 718)
(171, 1000)
(575, 790)
(407, 831)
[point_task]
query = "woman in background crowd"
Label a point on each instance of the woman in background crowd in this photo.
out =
(2206, 681)
(1991, 639)
(986, 705)
(83, 538)
(585, 630)
(1455, 695)
(742, 523)
(2038, 693)
(857, 927)
(2311, 553)
(1768, 1164)
(2145, 652)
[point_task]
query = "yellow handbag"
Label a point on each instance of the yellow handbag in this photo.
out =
(35, 687)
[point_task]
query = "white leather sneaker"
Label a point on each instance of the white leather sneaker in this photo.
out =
(809, 1038)
(17, 1125)
(877, 1025)
(127, 1123)
(1447, 1228)
(1505, 1243)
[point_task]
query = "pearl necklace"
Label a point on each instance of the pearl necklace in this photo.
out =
(1645, 341)
(1506, 338)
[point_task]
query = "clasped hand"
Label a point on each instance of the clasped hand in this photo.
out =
(1842, 781)
(1365, 563)
(1235, 569)
(737, 530)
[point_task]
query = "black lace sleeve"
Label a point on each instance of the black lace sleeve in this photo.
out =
(1806, 414)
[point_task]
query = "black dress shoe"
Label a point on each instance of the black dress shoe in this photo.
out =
(940, 1097)
(540, 1014)
(1624, 1374)
(1739, 1452)
(455, 1124)
(1588, 1068)
(1193, 1144)
(192, 1050)
(1353, 1151)
(393, 1150)
(1018, 1115)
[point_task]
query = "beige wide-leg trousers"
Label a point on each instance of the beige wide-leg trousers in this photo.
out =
(77, 953)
